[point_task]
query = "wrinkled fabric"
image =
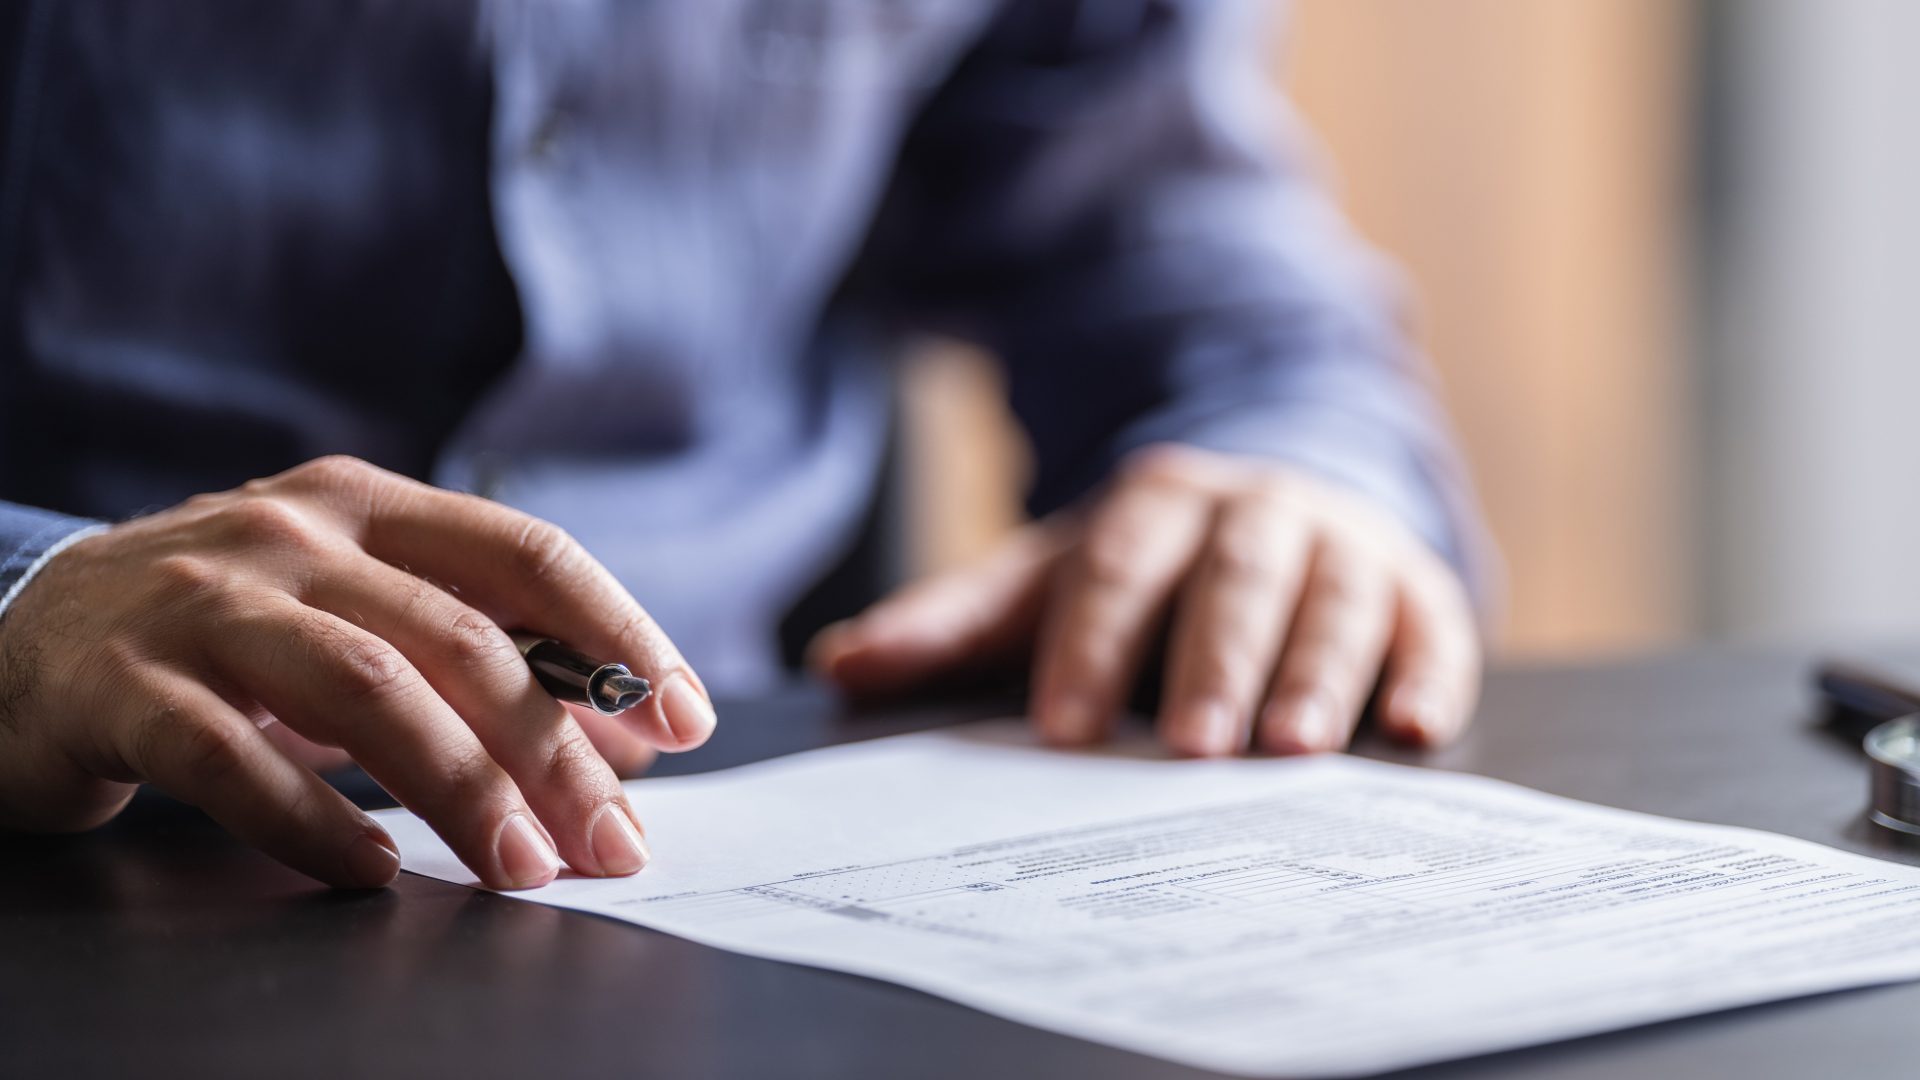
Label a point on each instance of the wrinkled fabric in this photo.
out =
(640, 268)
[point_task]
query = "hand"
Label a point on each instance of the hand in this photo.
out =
(1288, 601)
(159, 650)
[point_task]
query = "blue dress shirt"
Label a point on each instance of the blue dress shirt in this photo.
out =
(639, 267)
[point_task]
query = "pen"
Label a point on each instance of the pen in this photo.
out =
(572, 676)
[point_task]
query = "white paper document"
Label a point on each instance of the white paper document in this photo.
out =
(1308, 917)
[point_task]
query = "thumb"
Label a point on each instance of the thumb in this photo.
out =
(954, 622)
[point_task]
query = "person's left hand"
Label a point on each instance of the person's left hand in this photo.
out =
(1289, 600)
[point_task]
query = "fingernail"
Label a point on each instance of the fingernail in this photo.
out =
(1305, 726)
(688, 715)
(617, 846)
(526, 858)
(371, 861)
(1072, 719)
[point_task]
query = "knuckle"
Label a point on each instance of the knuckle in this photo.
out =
(1083, 661)
(334, 468)
(638, 626)
(150, 736)
(1341, 586)
(543, 552)
(1241, 551)
(420, 594)
(198, 752)
(120, 658)
(268, 522)
(336, 476)
(1217, 672)
(1282, 486)
(369, 669)
(570, 759)
(1321, 665)
(477, 643)
(468, 778)
(1114, 554)
(188, 578)
(1167, 463)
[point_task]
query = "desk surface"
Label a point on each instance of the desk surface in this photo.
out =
(159, 945)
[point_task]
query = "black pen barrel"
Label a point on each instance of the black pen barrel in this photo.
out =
(572, 676)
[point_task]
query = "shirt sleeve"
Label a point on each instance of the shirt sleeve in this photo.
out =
(29, 539)
(1110, 196)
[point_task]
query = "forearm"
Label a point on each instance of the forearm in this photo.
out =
(1146, 248)
(1250, 321)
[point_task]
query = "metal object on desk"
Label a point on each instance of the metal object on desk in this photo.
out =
(1856, 696)
(1895, 749)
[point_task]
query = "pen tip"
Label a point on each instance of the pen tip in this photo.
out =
(622, 692)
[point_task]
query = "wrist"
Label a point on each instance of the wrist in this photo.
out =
(31, 558)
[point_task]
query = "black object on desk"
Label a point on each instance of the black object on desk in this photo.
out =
(1859, 698)
(1885, 716)
(160, 946)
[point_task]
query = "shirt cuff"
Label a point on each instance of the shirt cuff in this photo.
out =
(52, 535)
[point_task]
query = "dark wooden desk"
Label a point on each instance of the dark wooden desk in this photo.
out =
(159, 946)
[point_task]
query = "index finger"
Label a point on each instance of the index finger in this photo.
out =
(1433, 665)
(1110, 594)
(524, 572)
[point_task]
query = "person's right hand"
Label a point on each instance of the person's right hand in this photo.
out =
(159, 649)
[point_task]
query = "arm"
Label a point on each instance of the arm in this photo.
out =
(1101, 195)
(1105, 199)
